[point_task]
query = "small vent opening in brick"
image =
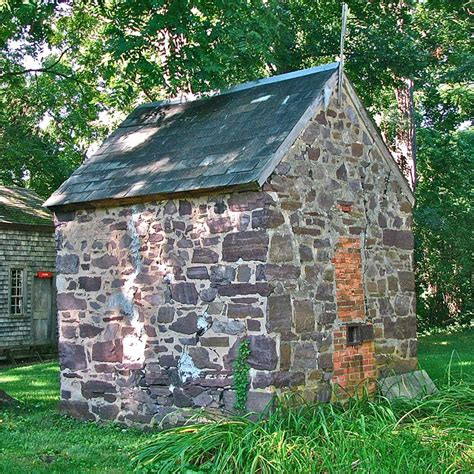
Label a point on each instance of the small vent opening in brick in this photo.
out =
(354, 335)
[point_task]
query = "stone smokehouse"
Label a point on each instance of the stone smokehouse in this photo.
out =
(269, 212)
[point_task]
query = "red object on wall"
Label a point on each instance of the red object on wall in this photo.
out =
(345, 207)
(44, 274)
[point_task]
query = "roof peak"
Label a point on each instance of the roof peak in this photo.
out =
(245, 85)
(281, 77)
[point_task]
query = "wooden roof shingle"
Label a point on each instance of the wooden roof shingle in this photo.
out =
(23, 207)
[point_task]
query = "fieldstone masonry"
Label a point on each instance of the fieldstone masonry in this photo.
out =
(155, 298)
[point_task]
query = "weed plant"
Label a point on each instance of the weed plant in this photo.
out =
(432, 434)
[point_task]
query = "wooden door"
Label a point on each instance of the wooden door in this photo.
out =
(42, 309)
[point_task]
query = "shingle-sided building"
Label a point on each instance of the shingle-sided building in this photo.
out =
(268, 212)
(27, 261)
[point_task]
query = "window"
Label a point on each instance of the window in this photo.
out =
(16, 291)
(357, 333)
(353, 335)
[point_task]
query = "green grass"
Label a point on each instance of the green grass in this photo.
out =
(447, 356)
(36, 438)
(363, 437)
(429, 435)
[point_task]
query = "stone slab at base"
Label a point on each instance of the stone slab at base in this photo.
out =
(17, 353)
(410, 385)
(6, 399)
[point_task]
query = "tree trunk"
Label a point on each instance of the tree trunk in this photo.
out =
(405, 140)
(5, 399)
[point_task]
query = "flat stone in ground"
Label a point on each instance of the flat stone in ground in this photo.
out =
(411, 385)
(6, 399)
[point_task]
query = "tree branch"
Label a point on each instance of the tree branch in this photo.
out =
(26, 71)
(143, 89)
(47, 70)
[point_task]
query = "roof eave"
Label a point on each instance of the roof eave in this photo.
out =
(27, 227)
(129, 200)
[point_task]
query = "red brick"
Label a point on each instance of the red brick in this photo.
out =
(353, 365)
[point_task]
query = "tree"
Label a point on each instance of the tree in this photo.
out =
(444, 227)
(410, 60)
(47, 111)
(106, 57)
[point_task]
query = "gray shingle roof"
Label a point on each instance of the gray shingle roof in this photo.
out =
(20, 206)
(220, 141)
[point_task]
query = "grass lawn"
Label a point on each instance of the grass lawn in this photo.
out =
(35, 438)
(446, 356)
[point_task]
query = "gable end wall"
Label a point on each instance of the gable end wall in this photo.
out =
(344, 256)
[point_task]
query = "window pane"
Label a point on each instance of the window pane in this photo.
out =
(16, 291)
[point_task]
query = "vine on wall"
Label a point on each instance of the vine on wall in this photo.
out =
(241, 376)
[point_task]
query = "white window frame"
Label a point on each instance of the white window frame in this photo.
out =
(20, 295)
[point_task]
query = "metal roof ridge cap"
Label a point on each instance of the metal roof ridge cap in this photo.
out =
(281, 77)
(171, 101)
(246, 85)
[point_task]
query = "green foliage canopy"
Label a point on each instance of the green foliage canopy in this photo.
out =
(70, 71)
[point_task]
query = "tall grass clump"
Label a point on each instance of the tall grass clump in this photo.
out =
(432, 434)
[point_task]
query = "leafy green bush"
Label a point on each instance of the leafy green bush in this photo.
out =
(433, 434)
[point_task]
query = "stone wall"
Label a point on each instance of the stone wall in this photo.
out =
(346, 257)
(32, 251)
(154, 298)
